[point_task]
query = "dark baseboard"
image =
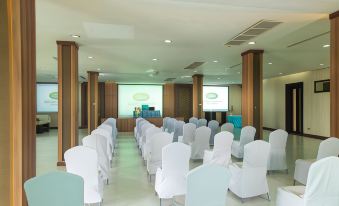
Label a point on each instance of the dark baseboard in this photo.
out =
(57, 127)
(305, 135)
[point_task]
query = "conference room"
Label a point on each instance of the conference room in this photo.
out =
(169, 102)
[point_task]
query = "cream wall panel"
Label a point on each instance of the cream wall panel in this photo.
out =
(235, 99)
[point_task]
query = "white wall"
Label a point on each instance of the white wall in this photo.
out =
(316, 105)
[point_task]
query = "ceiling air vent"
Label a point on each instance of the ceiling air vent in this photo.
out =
(194, 65)
(252, 32)
(169, 79)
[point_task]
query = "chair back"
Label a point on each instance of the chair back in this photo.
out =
(107, 135)
(165, 123)
(247, 135)
(256, 154)
(55, 189)
(229, 127)
(214, 126)
(278, 139)
(144, 129)
(107, 127)
(328, 147)
(322, 183)
(171, 125)
(202, 135)
(202, 122)
(222, 148)
(193, 120)
(178, 131)
(175, 159)
(157, 142)
(207, 185)
(188, 132)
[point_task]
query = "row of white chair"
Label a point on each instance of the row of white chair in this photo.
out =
(93, 160)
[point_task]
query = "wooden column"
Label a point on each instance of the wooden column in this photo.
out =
(18, 99)
(197, 95)
(111, 99)
(169, 100)
(92, 103)
(252, 90)
(334, 70)
(68, 97)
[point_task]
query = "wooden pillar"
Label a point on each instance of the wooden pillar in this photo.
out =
(111, 100)
(67, 98)
(197, 95)
(252, 90)
(18, 99)
(169, 100)
(84, 105)
(92, 103)
(334, 71)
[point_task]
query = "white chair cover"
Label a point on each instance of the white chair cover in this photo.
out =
(171, 125)
(202, 122)
(188, 133)
(171, 178)
(321, 189)
(194, 120)
(83, 161)
(250, 179)
(149, 133)
(113, 123)
(142, 139)
(214, 126)
(99, 143)
(221, 154)
(109, 129)
(277, 158)
(328, 147)
(207, 185)
(137, 121)
(139, 135)
(165, 124)
(200, 142)
(105, 133)
(229, 127)
(246, 136)
(178, 131)
(157, 142)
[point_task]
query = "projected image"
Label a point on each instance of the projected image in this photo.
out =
(215, 99)
(131, 96)
(47, 98)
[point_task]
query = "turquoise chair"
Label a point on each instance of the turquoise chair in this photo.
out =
(55, 189)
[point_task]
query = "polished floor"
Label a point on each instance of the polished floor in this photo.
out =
(129, 184)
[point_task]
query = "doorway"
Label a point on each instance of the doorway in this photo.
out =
(294, 108)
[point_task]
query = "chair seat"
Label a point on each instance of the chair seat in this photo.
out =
(290, 196)
(236, 150)
(301, 170)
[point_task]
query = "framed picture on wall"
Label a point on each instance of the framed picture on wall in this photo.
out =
(322, 86)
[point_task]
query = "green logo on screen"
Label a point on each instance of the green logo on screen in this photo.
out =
(140, 96)
(53, 95)
(211, 95)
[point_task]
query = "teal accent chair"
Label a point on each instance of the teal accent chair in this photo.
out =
(55, 189)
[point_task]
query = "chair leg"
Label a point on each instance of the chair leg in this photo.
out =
(286, 171)
(160, 201)
(242, 200)
(268, 197)
(293, 182)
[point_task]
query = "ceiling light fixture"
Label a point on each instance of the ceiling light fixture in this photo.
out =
(321, 64)
(90, 57)
(280, 73)
(218, 78)
(215, 61)
(251, 42)
(75, 36)
(154, 59)
(168, 41)
(195, 71)
(326, 45)
(270, 63)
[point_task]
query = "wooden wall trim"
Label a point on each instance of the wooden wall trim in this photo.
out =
(334, 15)
(111, 99)
(92, 103)
(197, 95)
(169, 100)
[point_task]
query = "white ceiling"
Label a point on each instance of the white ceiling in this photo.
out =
(124, 37)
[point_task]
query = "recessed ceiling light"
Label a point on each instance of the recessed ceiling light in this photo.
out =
(280, 73)
(251, 42)
(90, 57)
(321, 64)
(195, 71)
(186, 76)
(215, 61)
(168, 41)
(238, 72)
(75, 36)
(326, 45)
(270, 63)
(154, 59)
(218, 78)
(98, 69)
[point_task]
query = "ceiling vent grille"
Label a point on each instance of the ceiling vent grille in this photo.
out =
(252, 32)
(169, 79)
(194, 65)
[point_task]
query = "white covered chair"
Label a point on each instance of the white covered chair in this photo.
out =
(105, 133)
(165, 124)
(207, 185)
(149, 133)
(221, 154)
(171, 125)
(83, 161)
(142, 138)
(178, 130)
(277, 158)
(139, 135)
(171, 177)
(229, 127)
(154, 157)
(99, 143)
(246, 136)
(202, 122)
(109, 129)
(188, 133)
(201, 142)
(249, 177)
(137, 121)
(328, 147)
(113, 123)
(321, 188)
(194, 120)
(214, 126)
